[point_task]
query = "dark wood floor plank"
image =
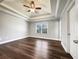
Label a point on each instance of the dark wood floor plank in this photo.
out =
(33, 48)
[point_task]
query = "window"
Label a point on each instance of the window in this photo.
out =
(41, 27)
(38, 28)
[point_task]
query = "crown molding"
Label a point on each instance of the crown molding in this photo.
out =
(57, 7)
(9, 10)
(53, 18)
(67, 6)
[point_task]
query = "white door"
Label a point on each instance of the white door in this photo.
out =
(73, 17)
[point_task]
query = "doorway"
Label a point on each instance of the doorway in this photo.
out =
(73, 31)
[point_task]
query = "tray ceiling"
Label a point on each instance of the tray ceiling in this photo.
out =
(49, 7)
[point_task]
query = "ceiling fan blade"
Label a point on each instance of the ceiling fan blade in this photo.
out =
(29, 11)
(38, 8)
(1, 1)
(26, 6)
(32, 2)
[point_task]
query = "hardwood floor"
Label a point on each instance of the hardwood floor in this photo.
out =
(33, 48)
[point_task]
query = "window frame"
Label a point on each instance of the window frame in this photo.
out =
(41, 24)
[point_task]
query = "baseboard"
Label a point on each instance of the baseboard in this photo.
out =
(12, 40)
(66, 50)
(26, 37)
(46, 38)
(64, 47)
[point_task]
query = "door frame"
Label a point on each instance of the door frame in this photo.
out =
(68, 25)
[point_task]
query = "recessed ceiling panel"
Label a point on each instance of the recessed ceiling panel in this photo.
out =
(18, 5)
(48, 7)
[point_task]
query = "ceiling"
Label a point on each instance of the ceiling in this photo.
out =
(50, 8)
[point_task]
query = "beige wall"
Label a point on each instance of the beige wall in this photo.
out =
(12, 27)
(53, 30)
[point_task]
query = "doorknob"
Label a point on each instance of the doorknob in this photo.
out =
(68, 33)
(75, 41)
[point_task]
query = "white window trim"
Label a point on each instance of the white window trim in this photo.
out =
(41, 23)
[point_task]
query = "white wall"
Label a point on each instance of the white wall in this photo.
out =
(64, 30)
(65, 27)
(67, 24)
(74, 32)
(12, 27)
(53, 30)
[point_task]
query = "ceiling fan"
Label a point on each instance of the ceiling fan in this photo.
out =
(32, 7)
(1, 1)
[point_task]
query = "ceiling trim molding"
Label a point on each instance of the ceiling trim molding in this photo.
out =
(57, 6)
(12, 11)
(44, 19)
(41, 15)
(66, 7)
